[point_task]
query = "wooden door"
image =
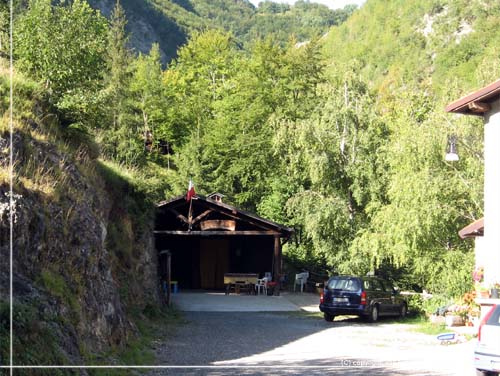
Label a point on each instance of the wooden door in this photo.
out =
(214, 262)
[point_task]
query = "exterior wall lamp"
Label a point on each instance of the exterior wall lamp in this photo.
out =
(451, 150)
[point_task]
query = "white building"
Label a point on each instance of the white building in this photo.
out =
(486, 103)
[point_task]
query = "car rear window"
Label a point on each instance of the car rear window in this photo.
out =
(346, 284)
(494, 319)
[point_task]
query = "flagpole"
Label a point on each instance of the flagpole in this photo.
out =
(190, 195)
(190, 214)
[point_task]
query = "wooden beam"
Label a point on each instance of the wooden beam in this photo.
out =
(277, 264)
(202, 215)
(218, 224)
(487, 94)
(230, 215)
(215, 232)
(179, 215)
(166, 275)
(479, 107)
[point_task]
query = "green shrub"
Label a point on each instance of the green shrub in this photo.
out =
(433, 305)
(34, 341)
(415, 304)
(80, 139)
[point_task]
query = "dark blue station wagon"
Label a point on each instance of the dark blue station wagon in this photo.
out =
(368, 297)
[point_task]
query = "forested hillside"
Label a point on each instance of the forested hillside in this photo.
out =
(342, 137)
(416, 58)
(170, 23)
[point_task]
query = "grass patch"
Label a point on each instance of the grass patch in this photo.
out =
(421, 324)
(124, 185)
(118, 176)
(153, 324)
(26, 93)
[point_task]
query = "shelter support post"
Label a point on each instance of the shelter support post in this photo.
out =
(166, 275)
(277, 264)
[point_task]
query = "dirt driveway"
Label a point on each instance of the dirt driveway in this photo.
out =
(301, 343)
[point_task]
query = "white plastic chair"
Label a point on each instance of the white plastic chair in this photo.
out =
(300, 279)
(261, 285)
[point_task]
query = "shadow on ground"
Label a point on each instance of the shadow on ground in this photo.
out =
(209, 338)
(312, 370)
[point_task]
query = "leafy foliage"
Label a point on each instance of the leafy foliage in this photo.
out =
(331, 157)
(415, 63)
(63, 48)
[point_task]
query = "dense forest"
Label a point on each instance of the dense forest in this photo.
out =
(170, 23)
(339, 135)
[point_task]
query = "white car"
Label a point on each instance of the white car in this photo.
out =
(487, 352)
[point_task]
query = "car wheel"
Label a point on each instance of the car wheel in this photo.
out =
(403, 310)
(373, 317)
(328, 317)
(480, 372)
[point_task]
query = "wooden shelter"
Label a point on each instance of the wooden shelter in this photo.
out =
(208, 238)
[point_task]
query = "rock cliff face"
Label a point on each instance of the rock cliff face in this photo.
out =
(83, 250)
(147, 24)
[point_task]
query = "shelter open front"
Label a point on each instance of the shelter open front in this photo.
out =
(215, 239)
(200, 263)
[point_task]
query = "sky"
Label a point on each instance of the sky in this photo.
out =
(333, 4)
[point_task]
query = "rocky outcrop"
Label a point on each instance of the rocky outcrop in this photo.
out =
(147, 24)
(66, 219)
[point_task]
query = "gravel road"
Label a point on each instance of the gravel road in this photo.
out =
(266, 343)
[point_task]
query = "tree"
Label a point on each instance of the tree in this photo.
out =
(122, 135)
(148, 89)
(154, 105)
(63, 47)
(427, 200)
(232, 98)
(201, 77)
(331, 158)
(118, 60)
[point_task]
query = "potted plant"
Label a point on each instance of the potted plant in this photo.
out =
(456, 315)
(483, 291)
(474, 316)
(473, 309)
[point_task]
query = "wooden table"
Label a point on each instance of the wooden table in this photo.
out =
(240, 281)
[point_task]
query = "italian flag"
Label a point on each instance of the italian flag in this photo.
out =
(190, 192)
